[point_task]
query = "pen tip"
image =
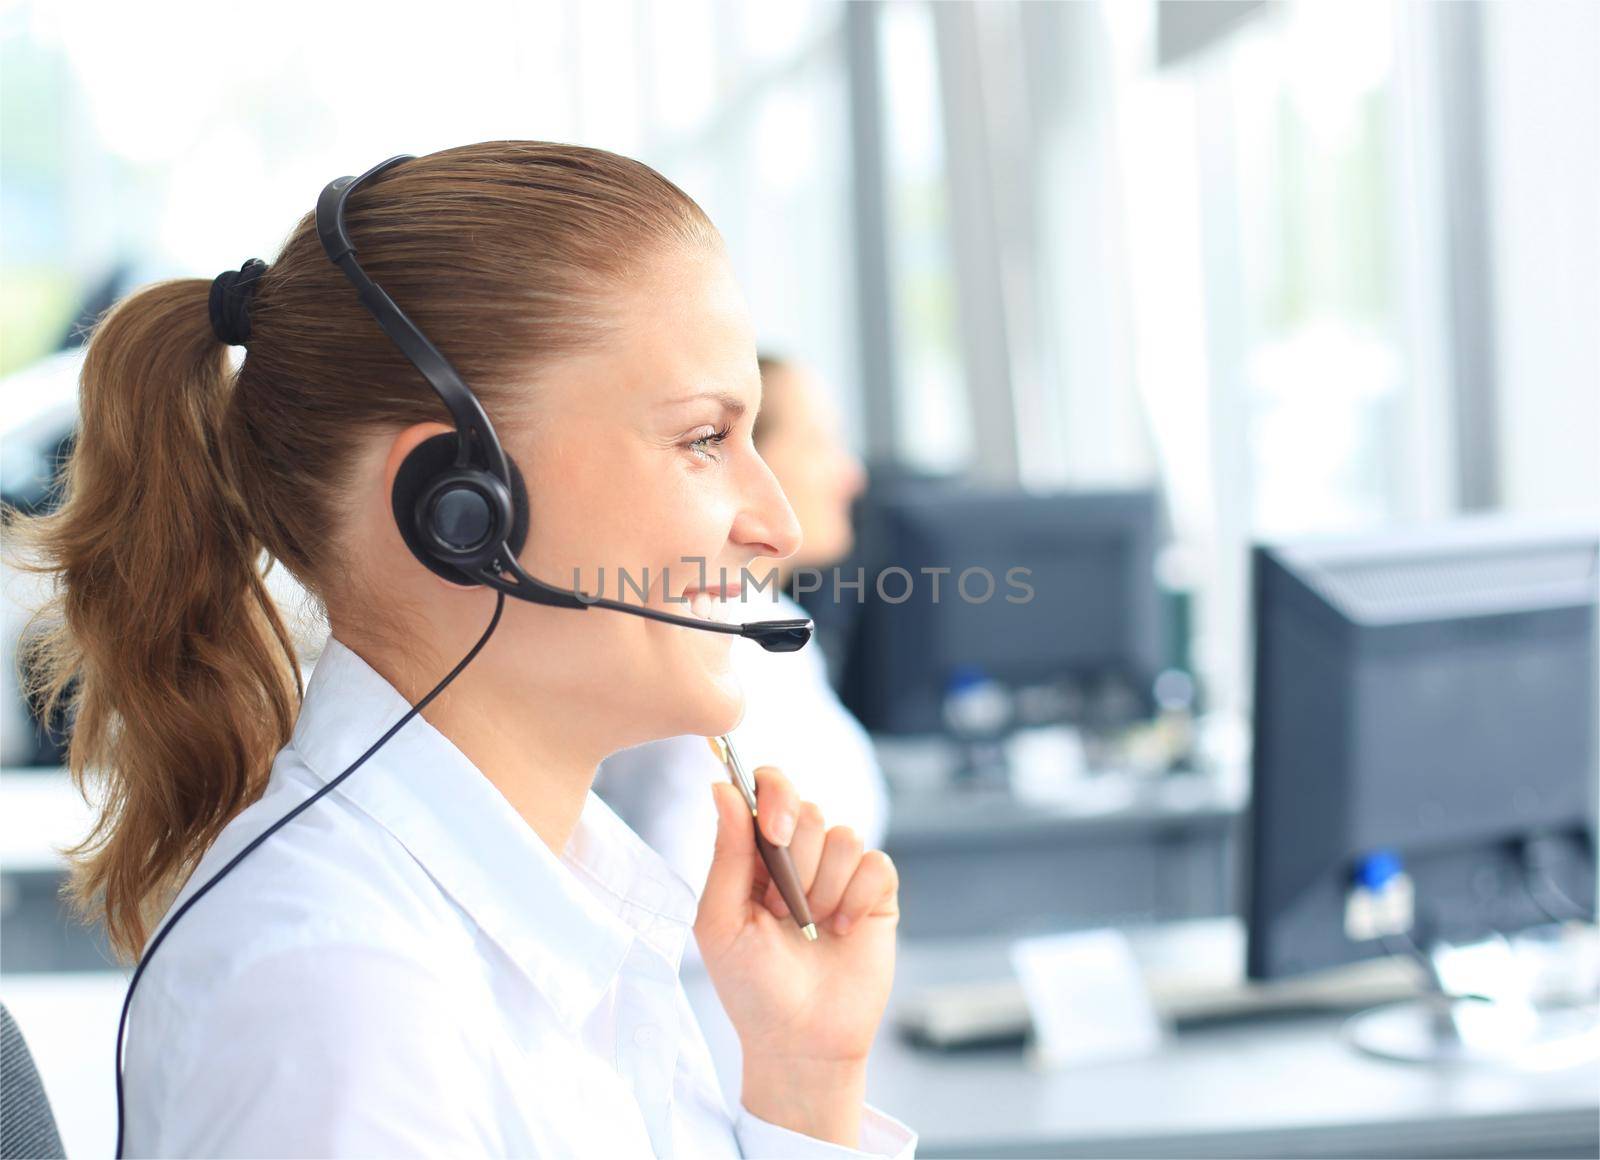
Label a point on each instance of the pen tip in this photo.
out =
(810, 931)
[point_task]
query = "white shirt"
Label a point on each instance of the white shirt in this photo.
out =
(793, 720)
(406, 969)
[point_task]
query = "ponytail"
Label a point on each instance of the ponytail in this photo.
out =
(160, 639)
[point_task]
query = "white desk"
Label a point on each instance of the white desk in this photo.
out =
(1280, 1088)
(40, 813)
(1285, 1087)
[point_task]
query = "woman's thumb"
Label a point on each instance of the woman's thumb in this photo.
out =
(731, 878)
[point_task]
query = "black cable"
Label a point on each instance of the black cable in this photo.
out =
(1533, 896)
(144, 961)
(1534, 871)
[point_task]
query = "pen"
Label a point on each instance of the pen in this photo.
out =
(780, 864)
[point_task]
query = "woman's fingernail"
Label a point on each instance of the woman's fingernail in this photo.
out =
(841, 924)
(785, 827)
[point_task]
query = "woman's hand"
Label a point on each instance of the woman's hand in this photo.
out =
(806, 1012)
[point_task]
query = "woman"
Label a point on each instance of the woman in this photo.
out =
(793, 719)
(459, 950)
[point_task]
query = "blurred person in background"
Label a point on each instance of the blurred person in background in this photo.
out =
(793, 719)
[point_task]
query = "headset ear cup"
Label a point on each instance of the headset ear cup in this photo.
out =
(428, 460)
(519, 509)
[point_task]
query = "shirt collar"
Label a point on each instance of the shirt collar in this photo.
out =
(568, 923)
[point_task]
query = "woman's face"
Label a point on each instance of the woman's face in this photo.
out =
(642, 477)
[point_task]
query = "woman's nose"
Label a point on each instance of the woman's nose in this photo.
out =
(767, 524)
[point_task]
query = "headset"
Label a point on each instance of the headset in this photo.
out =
(462, 509)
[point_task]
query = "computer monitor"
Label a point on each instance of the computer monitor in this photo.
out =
(1424, 706)
(1072, 616)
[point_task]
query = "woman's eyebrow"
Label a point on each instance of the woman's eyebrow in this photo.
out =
(729, 402)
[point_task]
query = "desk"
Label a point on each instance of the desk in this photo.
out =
(1285, 1088)
(1288, 1087)
(40, 812)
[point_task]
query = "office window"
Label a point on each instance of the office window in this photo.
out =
(1280, 270)
(1324, 363)
(681, 67)
(163, 148)
(933, 429)
(1269, 201)
(759, 136)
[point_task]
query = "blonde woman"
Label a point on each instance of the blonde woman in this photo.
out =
(458, 949)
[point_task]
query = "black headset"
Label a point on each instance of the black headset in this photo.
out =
(462, 509)
(459, 500)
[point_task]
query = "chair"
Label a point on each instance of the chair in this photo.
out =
(27, 1126)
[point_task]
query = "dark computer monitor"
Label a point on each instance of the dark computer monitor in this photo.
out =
(1424, 700)
(1081, 618)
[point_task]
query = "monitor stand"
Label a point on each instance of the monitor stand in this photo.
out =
(1443, 1027)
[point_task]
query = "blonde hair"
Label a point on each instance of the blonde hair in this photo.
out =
(187, 480)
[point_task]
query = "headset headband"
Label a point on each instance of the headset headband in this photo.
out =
(472, 423)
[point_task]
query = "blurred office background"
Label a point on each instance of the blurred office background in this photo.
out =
(1244, 272)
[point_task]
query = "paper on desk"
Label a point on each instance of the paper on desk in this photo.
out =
(1087, 998)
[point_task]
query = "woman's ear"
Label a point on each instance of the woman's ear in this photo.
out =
(405, 442)
(400, 449)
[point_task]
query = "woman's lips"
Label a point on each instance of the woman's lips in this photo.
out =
(712, 603)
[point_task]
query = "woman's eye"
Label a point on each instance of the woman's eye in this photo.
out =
(703, 445)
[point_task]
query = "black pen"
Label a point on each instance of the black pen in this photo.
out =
(779, 862)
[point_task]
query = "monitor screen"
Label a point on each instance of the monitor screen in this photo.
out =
(1428, 693)
(1025, 588)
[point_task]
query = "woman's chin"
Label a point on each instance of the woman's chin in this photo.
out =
(706, 701)
(712, 696)
(722, 707)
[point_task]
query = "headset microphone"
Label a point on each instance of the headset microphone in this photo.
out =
(772, 635)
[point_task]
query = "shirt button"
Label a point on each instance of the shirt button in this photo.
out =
(645, 1036)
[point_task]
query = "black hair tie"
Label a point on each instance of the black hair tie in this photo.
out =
(231, 292)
